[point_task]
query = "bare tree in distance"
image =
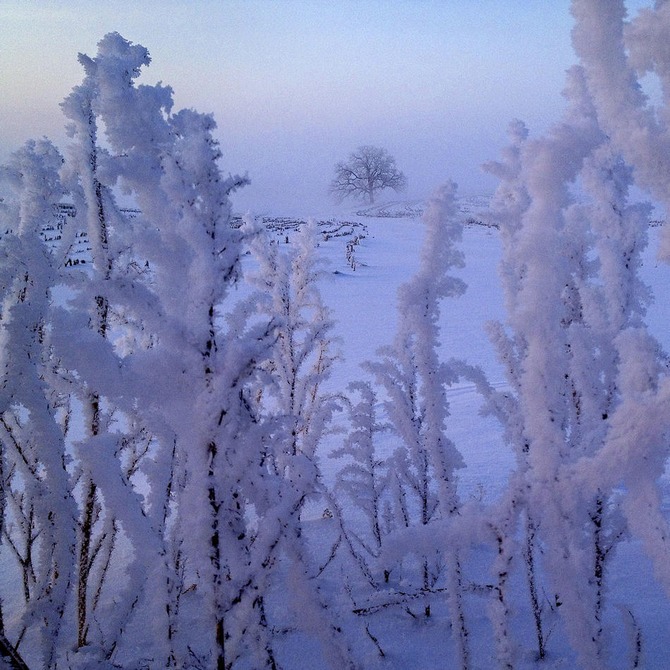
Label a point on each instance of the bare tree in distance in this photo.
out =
(368, 170)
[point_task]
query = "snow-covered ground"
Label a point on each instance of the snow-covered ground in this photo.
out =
(363, 303)
(359, 285)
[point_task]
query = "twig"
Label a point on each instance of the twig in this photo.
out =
(375, 641)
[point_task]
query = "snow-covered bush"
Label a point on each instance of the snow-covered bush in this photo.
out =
(38, 510)
(570, 274)
(417, 490)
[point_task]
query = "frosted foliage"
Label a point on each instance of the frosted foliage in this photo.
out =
(298, 412)
(181, 372)
(80, 173)
(614, 56)
(162, 435)
(410, 371)
(419, 303)
(571, 277)
(36, 489)
(539, 278)
(33, 175)
(134, 117)
(302, 356)
(422, 485)
(364, 479)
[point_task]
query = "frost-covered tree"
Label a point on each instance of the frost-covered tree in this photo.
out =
(187, 385)
(570, 276)
(542, 420)
(414, 382)
(367, 171)
(298, 412)
(38, 508)
(228, 396)
(508, 207)
(363, 480)
(615, 55)
(145, 363)
(95, 367)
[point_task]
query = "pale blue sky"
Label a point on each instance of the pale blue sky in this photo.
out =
(295, 85)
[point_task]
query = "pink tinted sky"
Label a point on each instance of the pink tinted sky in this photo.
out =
(295, 85)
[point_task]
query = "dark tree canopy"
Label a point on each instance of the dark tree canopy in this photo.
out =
(368, 170)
